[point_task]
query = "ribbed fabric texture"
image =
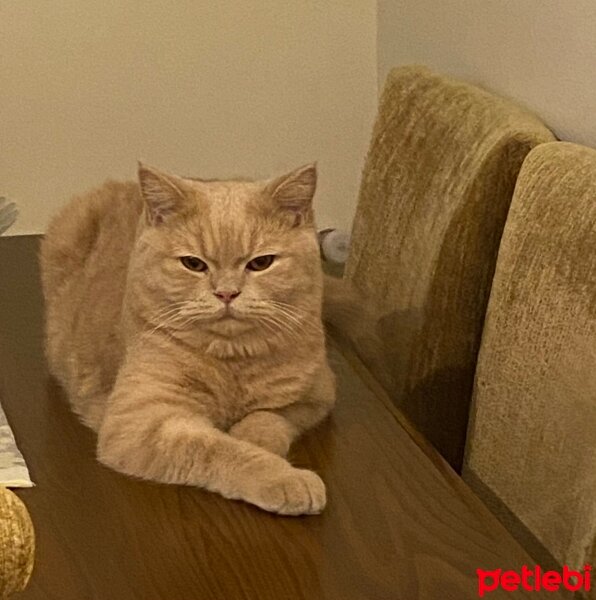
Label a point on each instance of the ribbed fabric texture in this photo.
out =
(532, 439)
(434, 197)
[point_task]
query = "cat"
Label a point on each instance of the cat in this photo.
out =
(184, 320)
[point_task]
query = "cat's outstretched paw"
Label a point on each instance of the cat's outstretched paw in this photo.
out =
(296, 492)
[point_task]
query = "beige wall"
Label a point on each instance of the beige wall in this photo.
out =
(204, 88)
(540, 52)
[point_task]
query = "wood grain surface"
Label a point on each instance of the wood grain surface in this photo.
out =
(400, 525)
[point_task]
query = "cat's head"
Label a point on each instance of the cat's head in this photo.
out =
(228, 256)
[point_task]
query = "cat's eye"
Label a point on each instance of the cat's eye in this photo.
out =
(192, 263)
(260, 263)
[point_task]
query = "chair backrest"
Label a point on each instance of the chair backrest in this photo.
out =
(434, 197)
(532, 440)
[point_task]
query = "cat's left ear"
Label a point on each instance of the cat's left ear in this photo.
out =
(293, 193)
(163, 194)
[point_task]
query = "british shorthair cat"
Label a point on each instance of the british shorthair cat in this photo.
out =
(183, 318)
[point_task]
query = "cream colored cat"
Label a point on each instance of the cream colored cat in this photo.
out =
(184, 321)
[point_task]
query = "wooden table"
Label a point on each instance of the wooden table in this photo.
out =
(399, 523)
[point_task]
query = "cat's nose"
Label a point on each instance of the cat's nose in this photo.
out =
(227, 297)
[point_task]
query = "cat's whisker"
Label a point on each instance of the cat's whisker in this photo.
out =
(183, 308)
(280, 329)
(169, 316)
(170, 308)
(290, 312)
(161, 325)
(302, 315)
(271, 326)
(288, 322)
(286, 305)
(290, 315)
(285, 326)
(188, 320)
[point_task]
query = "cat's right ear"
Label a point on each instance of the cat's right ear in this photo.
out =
(293, 193)
(163, 194)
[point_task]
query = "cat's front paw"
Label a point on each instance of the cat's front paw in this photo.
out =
(296, 492)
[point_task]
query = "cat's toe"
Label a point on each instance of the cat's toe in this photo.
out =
(299, 492)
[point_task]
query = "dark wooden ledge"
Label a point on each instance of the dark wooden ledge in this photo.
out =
(400, 525)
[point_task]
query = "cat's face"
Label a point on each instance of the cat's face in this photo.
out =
(229, 256)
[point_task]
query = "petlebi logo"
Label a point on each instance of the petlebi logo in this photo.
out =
(534, 580)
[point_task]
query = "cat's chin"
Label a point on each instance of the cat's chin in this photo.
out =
(229, 325)
(232, 338)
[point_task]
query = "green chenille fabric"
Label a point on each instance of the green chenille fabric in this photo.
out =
(532, 437)
(435, 192)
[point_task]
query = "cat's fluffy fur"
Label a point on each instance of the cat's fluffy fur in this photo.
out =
(180, 387)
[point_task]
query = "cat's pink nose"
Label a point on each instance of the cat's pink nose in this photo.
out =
(227, 297)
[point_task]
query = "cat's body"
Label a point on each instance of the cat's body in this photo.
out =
(184, 321)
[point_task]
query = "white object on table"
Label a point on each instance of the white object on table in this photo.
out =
(335, 245)
(13, 470)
